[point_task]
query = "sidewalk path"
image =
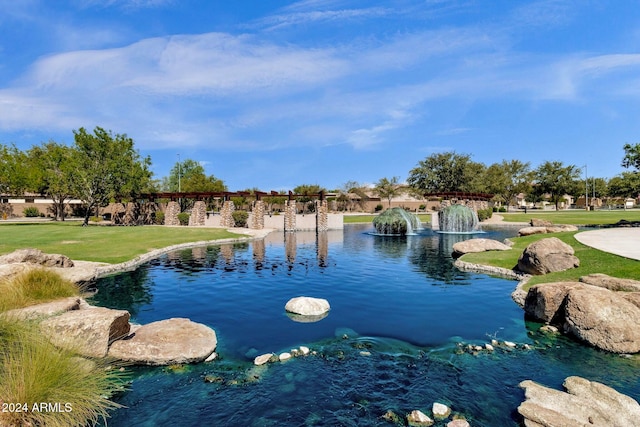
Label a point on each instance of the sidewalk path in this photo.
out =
(620, 241)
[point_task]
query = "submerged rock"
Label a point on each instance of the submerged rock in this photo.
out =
(440, 411)
(419, 419)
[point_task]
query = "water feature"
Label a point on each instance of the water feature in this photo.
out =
(397, 222)
(458, 219)
(390, 341)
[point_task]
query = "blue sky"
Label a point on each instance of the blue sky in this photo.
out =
(274, 93)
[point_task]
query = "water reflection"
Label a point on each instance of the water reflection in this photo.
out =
(127, 291)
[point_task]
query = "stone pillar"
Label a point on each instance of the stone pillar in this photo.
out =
(226, 214)
(171, 214)
(148, 213)
(257, 215)
(290, 215)
(117, 213)
(198, 213)
(131, 214)
(322, 215)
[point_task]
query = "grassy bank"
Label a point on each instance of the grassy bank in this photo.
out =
(576, 217)
(591, 260)
(100, 243)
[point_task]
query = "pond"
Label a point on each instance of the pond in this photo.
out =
(399, 311)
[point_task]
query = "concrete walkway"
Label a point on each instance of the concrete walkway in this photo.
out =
(620, 241)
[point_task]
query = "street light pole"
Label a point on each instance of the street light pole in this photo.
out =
(586, 189)
(179, 172)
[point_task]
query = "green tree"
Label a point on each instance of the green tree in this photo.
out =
(625, 185)
(445, 172)
(631, 156)
(14, 172)
(53, 168)
(507, 179)
(387, 188)
(306, 191)
(556, 180)
(107, 166)
(189, 176)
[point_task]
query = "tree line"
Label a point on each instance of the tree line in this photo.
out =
(101, 167)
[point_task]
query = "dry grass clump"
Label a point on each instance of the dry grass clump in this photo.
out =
(33, 287)
(43, 385)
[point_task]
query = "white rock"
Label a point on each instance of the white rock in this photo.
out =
(510, 344)
(284, 356)
(365, 353)
(488, 347)
(419, 418)
(304, 350)
(213, 356)
(262, 359)
(440, 411)
(307, 306)
(494, 343)
(458, 423)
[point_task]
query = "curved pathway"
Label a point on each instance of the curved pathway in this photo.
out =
(623, 241)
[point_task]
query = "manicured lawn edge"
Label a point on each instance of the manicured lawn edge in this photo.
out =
(591, 261)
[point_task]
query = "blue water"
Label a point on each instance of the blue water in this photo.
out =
(397, 298)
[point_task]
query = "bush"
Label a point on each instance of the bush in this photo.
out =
(422, 207)
(33, 371)
(502, 209)
(485, 214)
(240, 218)
(159, 218)
(183, 218)
(379, 207)
(31, 212)
(95, 219)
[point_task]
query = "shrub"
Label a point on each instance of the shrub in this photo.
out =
(33, 287)
(422, 207)
(159, 218)
(240, 218)
(31, 212)
(379, 207)
(183, 218)
(502, 209)
(485, 214)
(95, 219)
(33, 371)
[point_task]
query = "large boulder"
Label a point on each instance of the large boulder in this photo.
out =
(547, 256)
(36, 256)
(611, 283)
(307, 306)
(545, 302)
(605, 319)
(478, 245)
(166, 342)
(528, 231)
(44, 310)
(537, 222)
(544, 229)
(88, 331)
(585, 403)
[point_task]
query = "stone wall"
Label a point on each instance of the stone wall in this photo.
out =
(198, 213)
(171, 214)
(226, 214)
(131, 214)
(473, 204)
(290, 215)
(257, 215)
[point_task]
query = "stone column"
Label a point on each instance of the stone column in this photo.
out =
(290, 215)
(171, 214)
(226, 214)
(117, 213)
(148, 213)
(131, 214)
(257, 215)
(322, 215)
(198, 213)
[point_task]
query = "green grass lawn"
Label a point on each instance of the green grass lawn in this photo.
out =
(576, 217)
(100, 243)
(591, 260)
(357, 219)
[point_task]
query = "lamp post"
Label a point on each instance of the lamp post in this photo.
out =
(586, 189)
(179, 172)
